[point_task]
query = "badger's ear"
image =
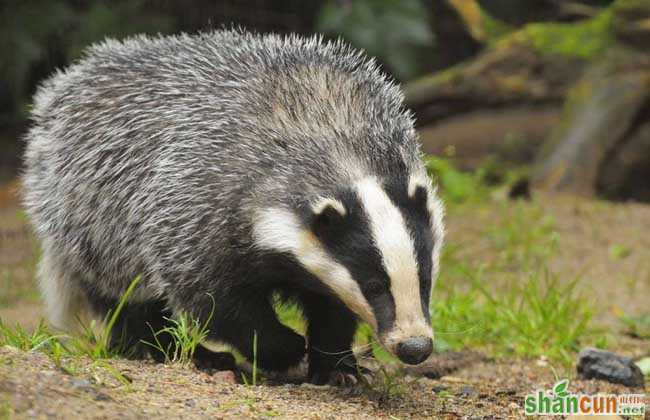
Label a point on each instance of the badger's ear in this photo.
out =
(419, 190)
(326, 213)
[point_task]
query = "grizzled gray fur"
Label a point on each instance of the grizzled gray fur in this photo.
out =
(152, 156)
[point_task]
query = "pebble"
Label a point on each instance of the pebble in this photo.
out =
(102, 397)
(452, 379)
(225, 376)
(466, 391)
(439, 388)
(313, 386)
(605, 365)
(80, 383)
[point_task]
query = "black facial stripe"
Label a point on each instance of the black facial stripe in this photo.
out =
(417, 218)
(349, 241)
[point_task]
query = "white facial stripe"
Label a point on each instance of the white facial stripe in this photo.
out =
(395, 245)
(436, 215)
(279, 229)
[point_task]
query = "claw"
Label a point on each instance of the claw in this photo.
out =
(346, 377)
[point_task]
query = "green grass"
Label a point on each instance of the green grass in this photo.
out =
(525, 237)
(456, 186)
(385, 384)
(619, 251)
(6, 411)
(23, 340)
(637, 326)
(254, 372)
(536, 315)
(509, 301)
(186, 334)
(67, 351)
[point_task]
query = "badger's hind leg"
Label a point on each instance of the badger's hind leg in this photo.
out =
(66, 306)
(251, 326)
(137, 329)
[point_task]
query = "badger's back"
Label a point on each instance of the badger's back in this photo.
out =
(150, 155)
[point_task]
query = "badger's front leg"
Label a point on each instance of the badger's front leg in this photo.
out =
(278, 347)
(330, 330)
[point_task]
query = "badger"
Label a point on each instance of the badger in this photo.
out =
(225, 168)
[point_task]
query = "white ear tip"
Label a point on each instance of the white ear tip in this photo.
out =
(416, 182)
(319, 206)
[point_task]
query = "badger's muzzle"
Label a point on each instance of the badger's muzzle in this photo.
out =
(414, 350)
(412, 342)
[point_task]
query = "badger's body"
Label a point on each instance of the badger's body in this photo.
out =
(226, 166)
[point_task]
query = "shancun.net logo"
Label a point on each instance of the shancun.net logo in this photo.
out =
(559, 401)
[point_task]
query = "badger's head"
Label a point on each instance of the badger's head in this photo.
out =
(376, 246)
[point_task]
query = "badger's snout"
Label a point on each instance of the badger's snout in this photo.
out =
(414, 350)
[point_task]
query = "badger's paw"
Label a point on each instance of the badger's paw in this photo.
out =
(343, 375)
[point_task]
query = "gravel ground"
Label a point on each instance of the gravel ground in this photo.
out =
(34, 388)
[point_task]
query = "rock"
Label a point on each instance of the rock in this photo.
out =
(439, 388)
(608, 366)
(225, 376)
(309, 385)
(80, 383)
(466, 392)
(100, 396)
(644, 365)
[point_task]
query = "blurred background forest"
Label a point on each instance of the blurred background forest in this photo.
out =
(560, 89)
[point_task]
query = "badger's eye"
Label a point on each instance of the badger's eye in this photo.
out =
(375, 287)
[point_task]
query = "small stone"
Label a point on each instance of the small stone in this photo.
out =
(466, 391)
(190, 402)
(225, 376)
(439, 388)
(80, 383)
(313, 386)
(509, 392)
(608, 366)
(542, 361)
(102, 397)
(452, 379)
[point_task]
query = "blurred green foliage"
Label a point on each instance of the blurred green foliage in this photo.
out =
(398, 33)
(456, 186)
(39, 35)
(586, 39)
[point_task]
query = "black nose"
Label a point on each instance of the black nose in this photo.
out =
(414, 350)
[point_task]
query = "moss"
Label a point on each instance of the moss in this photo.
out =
(584, 40)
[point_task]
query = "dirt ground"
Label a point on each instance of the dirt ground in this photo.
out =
(31, 386)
